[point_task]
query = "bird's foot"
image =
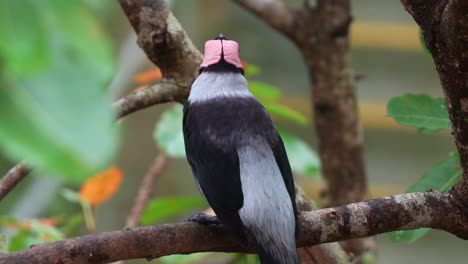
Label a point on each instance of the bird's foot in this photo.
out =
(204, 219)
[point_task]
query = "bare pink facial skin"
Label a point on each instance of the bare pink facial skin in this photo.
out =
(214, 49)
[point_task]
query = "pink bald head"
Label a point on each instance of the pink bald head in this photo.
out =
(214, 49)
(231, 53)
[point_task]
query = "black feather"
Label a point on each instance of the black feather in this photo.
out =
(213, 131)
(216, 169)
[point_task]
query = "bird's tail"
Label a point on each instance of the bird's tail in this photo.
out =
(273, 250)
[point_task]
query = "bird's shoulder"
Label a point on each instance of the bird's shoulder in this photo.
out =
(228, 120)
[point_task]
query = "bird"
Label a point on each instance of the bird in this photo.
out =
(238, 158)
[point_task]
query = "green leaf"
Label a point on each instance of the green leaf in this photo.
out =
(276, 109)
(185, 259)
(168, 132)
(24, 48)
(423, 44)
(73, 222)
(252, 70)
(45, 233)
(420, 111)
(7, 220)
(302, 158)
(59, 119)
(160, 209)
(21, 240)
(440, 177)
(3, 244)
(35, 233)
(407, 235)
(264, 91)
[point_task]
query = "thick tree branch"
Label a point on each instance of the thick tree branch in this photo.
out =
(12, 178)
(445, 27)
(146, 189)
(406, 211)
(164, 41)
(330, 253)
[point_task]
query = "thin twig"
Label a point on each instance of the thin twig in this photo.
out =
(12, 178)
(445, 28)
(164, 92)
(146, 190)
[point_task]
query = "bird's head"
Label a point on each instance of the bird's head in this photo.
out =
(221, 51)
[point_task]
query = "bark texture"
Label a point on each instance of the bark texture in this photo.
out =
(401, 212)
(165, 43)
(444, 24)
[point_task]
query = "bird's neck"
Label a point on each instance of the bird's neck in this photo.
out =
(218, 85)
(222, 66)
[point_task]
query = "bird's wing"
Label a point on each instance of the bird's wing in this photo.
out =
(282, 161)
(217, 172)
(260, 123)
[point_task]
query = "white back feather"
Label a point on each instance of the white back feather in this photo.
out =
(217, 85)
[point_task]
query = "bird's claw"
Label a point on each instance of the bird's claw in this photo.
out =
(204, 219)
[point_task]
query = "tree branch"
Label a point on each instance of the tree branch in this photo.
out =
(445, 27)
(273, 12)
(12, 178)
(160, 93)
(401, 212)
(330, 253)
(146, 190)
(164, 41)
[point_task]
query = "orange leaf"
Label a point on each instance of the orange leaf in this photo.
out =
(148, 76)
(244, 65)
(101, 186)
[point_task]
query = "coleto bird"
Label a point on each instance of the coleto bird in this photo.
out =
(238, 158)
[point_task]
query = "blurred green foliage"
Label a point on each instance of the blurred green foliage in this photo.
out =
(29, 233)
(55, 65)
(428, 115)
(168, 133)
(440, 177)
(164, 208)
(302, 158)
(264, 91)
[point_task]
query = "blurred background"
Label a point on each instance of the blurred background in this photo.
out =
(386, 54)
